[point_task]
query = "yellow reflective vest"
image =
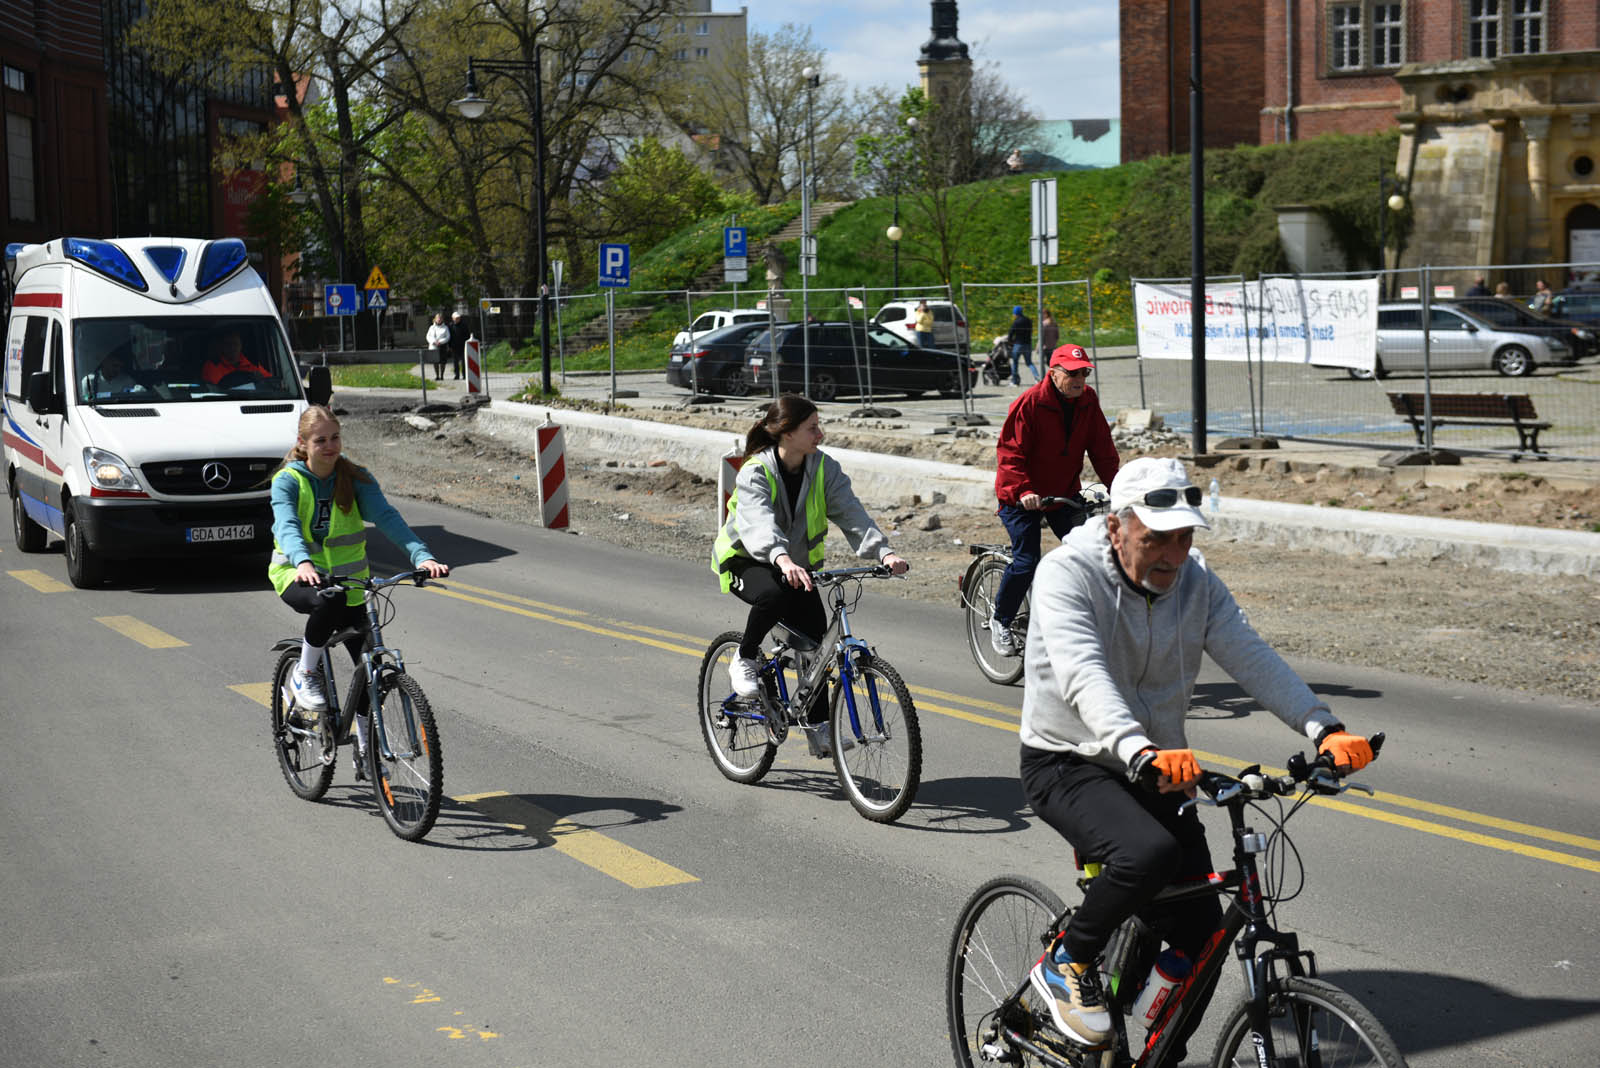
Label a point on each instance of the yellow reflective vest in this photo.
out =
(341, 553)
(727, 546)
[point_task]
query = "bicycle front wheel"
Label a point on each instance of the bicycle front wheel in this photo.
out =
(305, 750)
(982, 586)
(408, 778)
(1005, 927)
(735, 729)
(1312, 1022)
(877, 750)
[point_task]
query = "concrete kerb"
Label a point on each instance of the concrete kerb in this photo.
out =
(880, 478)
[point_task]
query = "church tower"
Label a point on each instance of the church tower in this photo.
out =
(945, 69)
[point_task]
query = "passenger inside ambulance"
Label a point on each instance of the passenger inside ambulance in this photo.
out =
(111, 375)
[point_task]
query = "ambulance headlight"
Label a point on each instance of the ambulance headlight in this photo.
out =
(109, 473)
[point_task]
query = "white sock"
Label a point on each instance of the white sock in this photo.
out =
(361, 734)
(310, 657)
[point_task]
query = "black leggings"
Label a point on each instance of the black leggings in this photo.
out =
(773, 601)
(326, 616)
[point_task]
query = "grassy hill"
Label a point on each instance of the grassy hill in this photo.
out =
(1122, 222)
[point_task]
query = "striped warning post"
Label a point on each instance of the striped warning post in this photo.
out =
(552, 466)
(474, 366)
(727, 474)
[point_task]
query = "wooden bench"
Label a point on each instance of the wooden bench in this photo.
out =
(1514, 410)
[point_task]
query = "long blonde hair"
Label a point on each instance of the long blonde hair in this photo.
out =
(346, 474)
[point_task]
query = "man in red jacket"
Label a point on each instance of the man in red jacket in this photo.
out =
(1047, 433)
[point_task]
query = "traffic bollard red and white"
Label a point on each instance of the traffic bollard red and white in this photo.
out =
(474, 366)
(552, 467)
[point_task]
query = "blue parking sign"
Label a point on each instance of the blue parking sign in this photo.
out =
(613, 266)
(341, 300)
(734, 241)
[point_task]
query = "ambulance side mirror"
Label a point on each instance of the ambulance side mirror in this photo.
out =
(42, 397)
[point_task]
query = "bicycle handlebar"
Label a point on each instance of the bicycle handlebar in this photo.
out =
(1318, 774)
(837, 575)
(330, 587)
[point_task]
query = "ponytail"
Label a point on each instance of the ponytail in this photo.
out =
(782, 416)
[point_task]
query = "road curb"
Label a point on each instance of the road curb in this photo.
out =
(880, 478)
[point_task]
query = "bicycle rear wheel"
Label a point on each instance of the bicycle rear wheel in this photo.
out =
(409, 781)
(880, 772)
(735, 729)
(979, 591)
(1312, 1022)
(305, 751)
(1004, 928)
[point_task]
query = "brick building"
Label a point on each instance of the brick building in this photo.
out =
(1155, 74)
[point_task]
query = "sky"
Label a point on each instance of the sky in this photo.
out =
(1060, 56)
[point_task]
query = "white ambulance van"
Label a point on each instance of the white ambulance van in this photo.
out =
(149, 392)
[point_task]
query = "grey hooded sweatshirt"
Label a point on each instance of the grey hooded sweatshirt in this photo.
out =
(765, 529)
(1110, 669)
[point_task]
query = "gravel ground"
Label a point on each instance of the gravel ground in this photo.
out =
(1420, 617)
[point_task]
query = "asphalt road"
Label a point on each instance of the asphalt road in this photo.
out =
(596, 893)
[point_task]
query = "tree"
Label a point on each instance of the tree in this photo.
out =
(653, 192)
(759, 111)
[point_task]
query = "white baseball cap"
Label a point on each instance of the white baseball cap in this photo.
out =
(1159, 492)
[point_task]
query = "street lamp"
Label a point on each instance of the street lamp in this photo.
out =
(894, 233)
(808, 259)
(473, 106)
(1395, 202)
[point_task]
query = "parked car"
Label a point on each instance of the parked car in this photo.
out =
(844, 355)
(714, 362)
(1459, 341)
(716, 319)
(1510, 315)
(1580, 302)
(899, 317)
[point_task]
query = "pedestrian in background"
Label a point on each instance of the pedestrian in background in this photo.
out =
(924, 325)
(458, 342)
(438, 345)
(1049, 332)
(1479, 288)
(1503, 290)
(1021, 338)
(1541, 297)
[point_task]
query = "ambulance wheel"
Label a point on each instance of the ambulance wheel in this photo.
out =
(85, 567)
(30, 535)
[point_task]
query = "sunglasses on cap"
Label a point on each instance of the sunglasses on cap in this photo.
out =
(1167, 497)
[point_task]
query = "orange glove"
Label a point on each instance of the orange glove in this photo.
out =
(1349, 751)
(1179, 766)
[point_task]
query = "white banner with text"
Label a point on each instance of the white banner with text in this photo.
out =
(1326, 322)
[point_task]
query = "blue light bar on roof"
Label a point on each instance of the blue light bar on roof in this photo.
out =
(106, 258)
(168, 259)
(219, 260)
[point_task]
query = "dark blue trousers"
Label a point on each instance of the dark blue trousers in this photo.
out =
(1023, 526)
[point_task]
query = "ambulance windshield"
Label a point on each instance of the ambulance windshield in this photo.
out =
(177, 358)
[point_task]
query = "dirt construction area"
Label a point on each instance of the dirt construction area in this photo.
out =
(1417, 616)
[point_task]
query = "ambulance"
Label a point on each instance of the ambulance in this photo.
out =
(149, 393)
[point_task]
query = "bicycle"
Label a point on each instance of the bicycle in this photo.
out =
(980, 585)
(1291, 1018)
(877, 744)
(403, 760)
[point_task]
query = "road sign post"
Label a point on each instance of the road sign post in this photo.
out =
(340, 300)
(1044, 247)
(613, 276)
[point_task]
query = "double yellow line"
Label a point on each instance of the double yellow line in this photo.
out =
(1005, 717)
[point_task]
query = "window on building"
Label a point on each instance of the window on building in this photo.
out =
(1366, 36)
(703, 29)
(16, 80)
(1345, 36)
(24, 206)
(1483, 28)
(681, 54)
(701, 53)
(1527, 27)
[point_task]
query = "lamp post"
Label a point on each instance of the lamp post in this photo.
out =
(473, 106)
(1394, 202)
(808, 262)
(300, 196)
(894, 233)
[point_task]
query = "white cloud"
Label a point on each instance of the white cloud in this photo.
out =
(877, 42)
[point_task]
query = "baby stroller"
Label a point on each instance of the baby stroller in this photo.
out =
(998, 369)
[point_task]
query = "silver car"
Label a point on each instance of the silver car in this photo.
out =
(1457, 341)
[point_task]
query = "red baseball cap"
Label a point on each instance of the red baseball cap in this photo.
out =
(1070, 357)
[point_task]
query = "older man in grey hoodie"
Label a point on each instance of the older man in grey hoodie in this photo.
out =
(1122, 613)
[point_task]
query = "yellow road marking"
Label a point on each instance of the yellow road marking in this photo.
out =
(259, 692)
(514, 599)
(605, 855)
(1010, 725)
(143, 633)
(39, 581)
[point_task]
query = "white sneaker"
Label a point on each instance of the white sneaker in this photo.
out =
(307, 691)
(743, 673)
(821, 742)
(1000, 636)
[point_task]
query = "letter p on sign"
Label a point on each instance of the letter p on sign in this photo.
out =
(614, 266)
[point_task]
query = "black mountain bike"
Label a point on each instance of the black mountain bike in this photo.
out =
(1289, 1017)
(877, 744)
(980, 585)
(403, 761)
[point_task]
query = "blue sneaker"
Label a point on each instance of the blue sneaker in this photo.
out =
(1076, 1002)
